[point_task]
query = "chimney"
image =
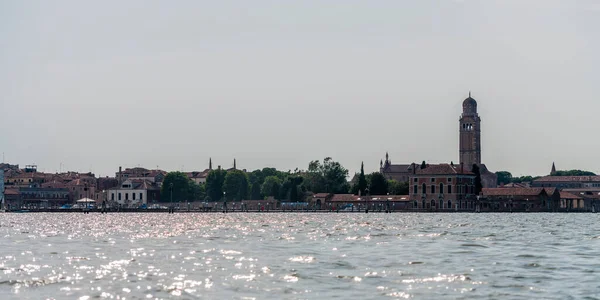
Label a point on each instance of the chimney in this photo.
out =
(462, 167)
(120, 175)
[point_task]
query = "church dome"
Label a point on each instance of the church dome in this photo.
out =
(469, 102)
(469, 105)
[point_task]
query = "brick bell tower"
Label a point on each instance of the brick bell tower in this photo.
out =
(470, 134)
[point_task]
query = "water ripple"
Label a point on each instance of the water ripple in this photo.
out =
(299, 255)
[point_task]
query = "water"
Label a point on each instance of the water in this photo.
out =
(299, 256)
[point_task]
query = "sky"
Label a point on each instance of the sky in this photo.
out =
(94, 85)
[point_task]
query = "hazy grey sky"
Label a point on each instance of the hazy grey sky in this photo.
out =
(98, 84)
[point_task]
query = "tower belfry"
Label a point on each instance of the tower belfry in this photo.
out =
(470, 134)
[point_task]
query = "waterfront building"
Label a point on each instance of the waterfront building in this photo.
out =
(40, 197)
(469, 149)
(519, 199)
(568, 182)
(84, 187)
(12, 197)
(442, 187)
(133, 193)
(569, 201)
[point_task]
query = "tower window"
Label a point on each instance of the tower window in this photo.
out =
(433, 188)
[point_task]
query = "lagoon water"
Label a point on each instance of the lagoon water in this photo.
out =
(299, 256)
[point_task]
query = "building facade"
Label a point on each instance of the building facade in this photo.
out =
(519, 199)
(469, 149)
(442, 187)
(133, 194)
(44, 197)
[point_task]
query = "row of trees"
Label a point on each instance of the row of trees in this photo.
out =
(327, 176)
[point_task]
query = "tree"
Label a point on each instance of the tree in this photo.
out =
(295, 190)
(256, 176)
(478, 185)
(328, 177)
(397, 187)
(379, 185)
(255, 194)
(504, 177)
(214, 184)
(196, 191)
(181, 187)
(236, 185)
(271, 186)
(574, 173)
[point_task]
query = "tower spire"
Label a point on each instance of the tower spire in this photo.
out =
(553, 171)
(234, 165)
(469, 93)
(210, 163)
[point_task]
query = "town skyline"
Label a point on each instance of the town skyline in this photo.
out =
(157, 84)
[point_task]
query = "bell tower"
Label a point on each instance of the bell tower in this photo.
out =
(470, 134)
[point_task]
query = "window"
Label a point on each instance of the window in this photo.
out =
(449, 189)
(126, 196)
(441, 204)
(423, 204)
(415, 179)
(415, 204)
(449, 204)
(432, 179)
(132, 196)
(415, 189)
(424, 189)
(433, 189)
(441, 188)
(449, 179)
(119, 196)
(141, 198)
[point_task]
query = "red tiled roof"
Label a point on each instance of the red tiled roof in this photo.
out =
(11, 192)
(512, 191)
(344, 198)
(54, 185)
(443, 169)
(397, 168)
(515, 185)
(568, 179)
(321, 195)
(567, 195)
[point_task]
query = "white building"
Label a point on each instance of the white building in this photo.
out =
(133, 193)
